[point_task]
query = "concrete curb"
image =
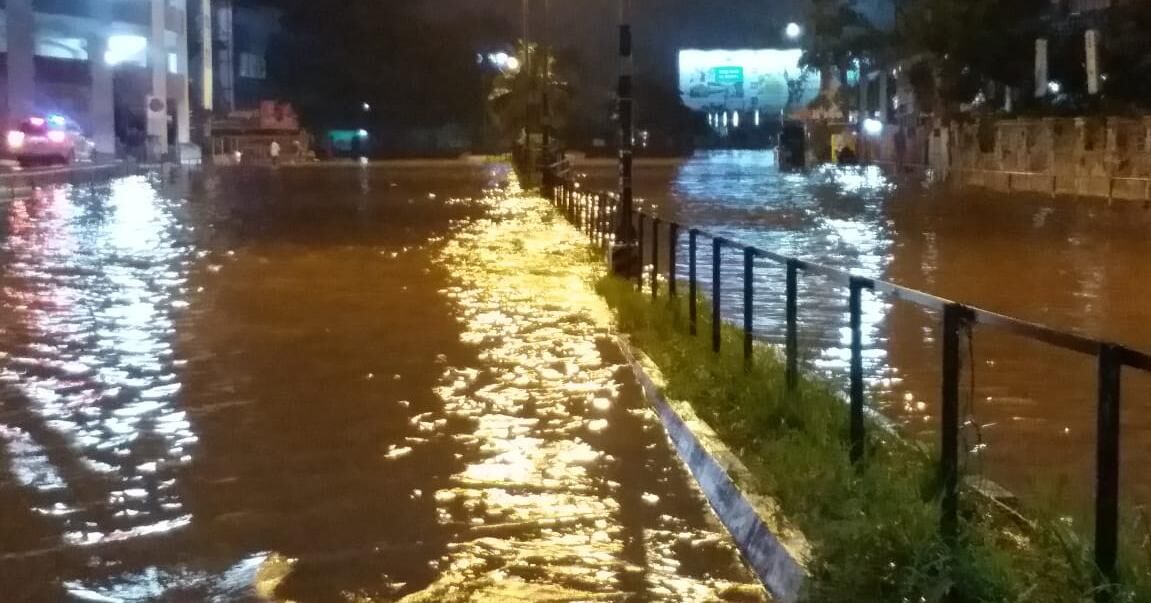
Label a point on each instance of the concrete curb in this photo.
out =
(775, 551)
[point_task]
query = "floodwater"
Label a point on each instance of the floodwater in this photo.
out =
(1076, 264)
(352, 385)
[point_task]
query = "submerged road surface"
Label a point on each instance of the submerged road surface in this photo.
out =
(392, 384)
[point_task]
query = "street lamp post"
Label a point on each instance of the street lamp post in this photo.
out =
(532, 107)
(625, 259)
(545, 42)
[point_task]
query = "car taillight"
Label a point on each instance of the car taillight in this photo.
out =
(57, 136)
(15, 139)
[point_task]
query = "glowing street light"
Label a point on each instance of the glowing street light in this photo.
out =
(793, 30)
(872, 127)
(512, 64)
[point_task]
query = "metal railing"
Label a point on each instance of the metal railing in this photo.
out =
(594, 214)
(1012, 177)
(14, 183)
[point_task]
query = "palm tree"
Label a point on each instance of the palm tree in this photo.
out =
(510, 99)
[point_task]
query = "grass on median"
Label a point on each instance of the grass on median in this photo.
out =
(874, 532)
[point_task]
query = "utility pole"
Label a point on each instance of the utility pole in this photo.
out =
(532, 108)
(546, 42)
(625, 259)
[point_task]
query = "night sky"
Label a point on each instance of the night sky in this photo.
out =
(662, 27)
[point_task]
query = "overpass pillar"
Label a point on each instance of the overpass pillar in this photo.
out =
(101, 99)
(21, 26)
(158, 66)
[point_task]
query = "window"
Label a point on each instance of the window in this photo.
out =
(173, 63)
(127, 49)
(57, 47)
(253, 66)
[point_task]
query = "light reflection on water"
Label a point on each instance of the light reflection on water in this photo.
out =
(90, 385)
(547, 468)
(1076, 264)
(326, 385)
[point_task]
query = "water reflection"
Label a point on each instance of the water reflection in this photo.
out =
(92, 420)
(326, 385)
(568, 489)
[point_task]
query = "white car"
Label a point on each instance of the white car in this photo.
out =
(46, 140)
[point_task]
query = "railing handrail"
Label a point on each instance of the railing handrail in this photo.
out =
(1029, 329)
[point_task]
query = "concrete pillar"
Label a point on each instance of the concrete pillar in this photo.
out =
(21, 62)
(101, 100)
(1147, 147)
(183, 111)
(1049, 139)
(183, 96)
(1080, 153)
(207, 55)
(158, 63)
(884, 97)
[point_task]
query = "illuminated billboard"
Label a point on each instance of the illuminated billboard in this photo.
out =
(742, 80)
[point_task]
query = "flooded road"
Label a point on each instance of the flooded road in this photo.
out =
(1075, 264)
(391, 384)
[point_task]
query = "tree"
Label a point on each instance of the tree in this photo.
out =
(839, 36)
(510, 98)
(1127, 55)
(966, 43)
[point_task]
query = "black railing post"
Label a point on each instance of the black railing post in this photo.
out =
(672, 242)
(1107, 469)
(585, 198)
(655, 222)
(857, 286)
(792, 341)
(692, 282)
(593, 232)
(716, 289)
(584, 213)
(748, 295)
(639, 228)
(953, 316)
(604, 220)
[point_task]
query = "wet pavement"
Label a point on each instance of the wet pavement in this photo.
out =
(327, 385)
(1075, 264)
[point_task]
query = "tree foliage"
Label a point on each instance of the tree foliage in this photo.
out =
(970, 42)
(956, 50)
(510, 99)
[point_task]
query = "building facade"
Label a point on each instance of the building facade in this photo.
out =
(242, 36)
(119, 68)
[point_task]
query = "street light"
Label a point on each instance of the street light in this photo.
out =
(512, 64)
(793, 31)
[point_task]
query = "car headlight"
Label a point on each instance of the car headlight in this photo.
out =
(15, 139)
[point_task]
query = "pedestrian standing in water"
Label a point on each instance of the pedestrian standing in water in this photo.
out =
(274, 152)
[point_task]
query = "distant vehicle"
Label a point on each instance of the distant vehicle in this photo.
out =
(707, 90)
(48, 140)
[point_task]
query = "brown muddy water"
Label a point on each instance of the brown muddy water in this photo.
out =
(384, 384)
